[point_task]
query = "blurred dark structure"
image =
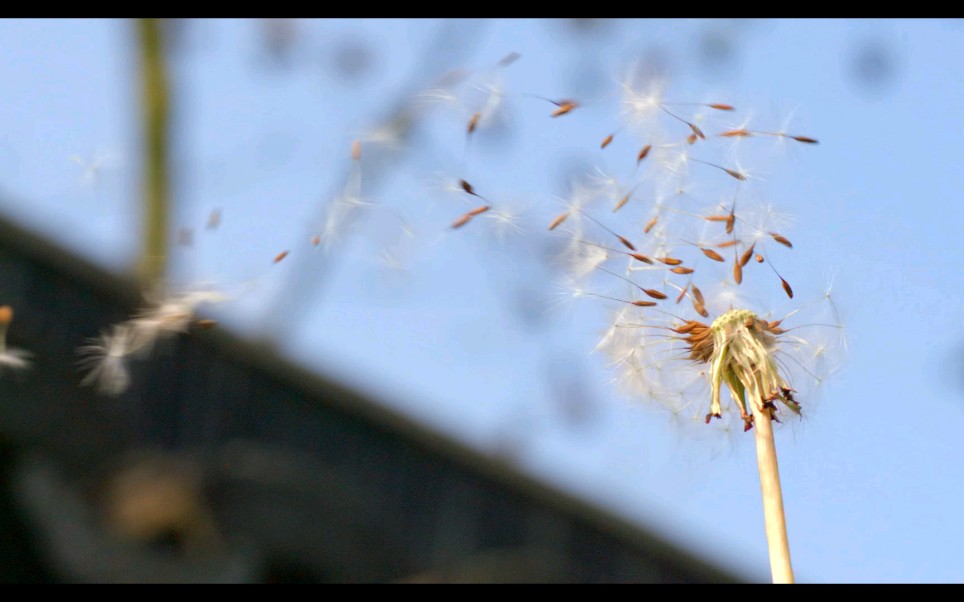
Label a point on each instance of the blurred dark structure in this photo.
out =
(223, 463)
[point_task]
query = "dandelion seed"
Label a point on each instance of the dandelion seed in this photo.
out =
(461, 221)
(712, 254)
(745, 258)
(479, 210)
(565, 106)
(781, 239)
(622, 202)
(106, 359)
(558, 220)
(606, 141)
(280, 256)
(643, 153)
(473, 122)
(214, 219)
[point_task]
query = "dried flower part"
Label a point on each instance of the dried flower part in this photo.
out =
(740, 349)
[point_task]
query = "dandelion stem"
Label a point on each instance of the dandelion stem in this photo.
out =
(773, 516)
(155, 115)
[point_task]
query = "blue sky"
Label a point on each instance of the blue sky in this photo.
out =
(472, 332)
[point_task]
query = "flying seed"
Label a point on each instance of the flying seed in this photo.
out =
(745, 258)
(737, 272)
(730, 222)
(565, 106)
(622, 202)
(697, 131)
(735, 133)
(736, 174)
(720, 106)
(280, 256)
(214, 219)
(641, 257)
(628, 244)
(700, 309)
(467, 187)
(649, 225)
(559, 219)
(473, 122)
(461, 221)
(691, 139)
(356, 150)
(316, 240)
(717, 218)
(479, 210)
(643, 152)
(509, 59)
(682, 294)
(712, 254)
(786, 287)
(654, 293)
(643, 303)
(806, 139)
(780, 239)
(606, 141)
(682, 270)
(759, 258)
(724, 245)
(698, 295)
(669, 260)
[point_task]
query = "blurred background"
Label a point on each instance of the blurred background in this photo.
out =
(367, 348)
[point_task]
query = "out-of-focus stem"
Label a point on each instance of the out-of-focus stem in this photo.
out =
(776, 525)
(156, 186)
